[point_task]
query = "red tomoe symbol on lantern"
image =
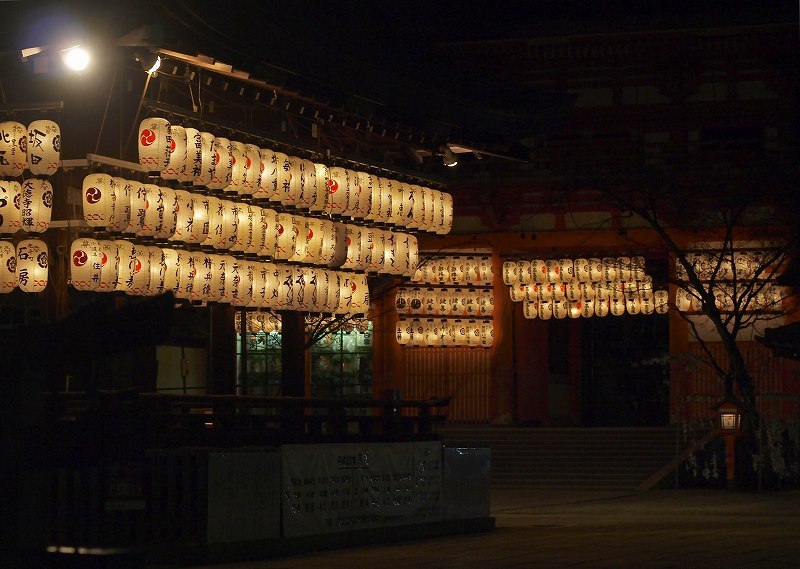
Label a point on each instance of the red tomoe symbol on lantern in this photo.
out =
(147, 137)
(333, 186)
(138, 266)
(216, 158)
(171, 145)
(280, 229)
(93, 195)
(248, 163)
(79, 258)
(353, 286)
(310, 234)
(104, 260)
(233, 160)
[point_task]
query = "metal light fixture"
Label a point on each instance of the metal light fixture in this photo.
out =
(150, 62)
(448, 157)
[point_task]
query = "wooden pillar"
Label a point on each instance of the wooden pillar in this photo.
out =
(293, 360)
(222, 350)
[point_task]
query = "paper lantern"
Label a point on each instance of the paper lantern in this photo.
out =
(120, 218)
(156, 269)
(126, 268)
(217, 231)
(85, 264)
(283, 177)
(242, 285)
(633, 305)
(242, 227)
(430, 198)
(140, 274)
(162, 270)
(390, 253)
(8, 267)
(616, 306)
(301, 240)
(320, 201)
(530, 310)
(238, 168)
(587, 308)
(287, 236)
(582, 270)
(539, 271)
(510, 273)
(175, 168)
(428, 300)
(204, 149)
(325, 294)
(10, 212)
(402, 300)
(338, 188)
(269, 223)
(154, 145)
(574, 308)
(184, 216)
(553, 271)
(223, 164)
(252, 170)
(601, 306)
(335, 247)
(447, 220)
(648, 305)
(109, 265)
(255, 232)
(287, 289)
(268, 179)
(44, 147)
(225, 278)
(13, 149)
(188, 263)
(355, 293)
(610, 269)
(144, 204)
(138, 207)
(566, 270)
(314, 240)
(165, 203)
(560, 309)
(98, 200)
(193, 164)
(517, 292)
(203, 285)
(574, 291)
(380, 200)
(36, 205)
(32, 265)
(291, 181)
(403, 331)
(307, 180)
(637, 268)
(661, 301)
(395, 212)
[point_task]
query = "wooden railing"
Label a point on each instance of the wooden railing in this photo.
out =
(159, 420)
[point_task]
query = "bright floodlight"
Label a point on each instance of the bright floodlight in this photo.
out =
(76, 58)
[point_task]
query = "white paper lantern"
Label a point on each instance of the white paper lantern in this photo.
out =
(269, 223)
(624, 271)
(566, 270)
(283, 180)
(610, 269)
(510, 273)
(447, 220)
(223, 164)
(561, 309)
(338, 184)
(8, 267)
(530, 310)
(587, 308)
(601, 306)
(335, 248)
(144, 208)
(85, 264)
(403, 331)
(44, 147)
(252, 170)
(13, 149)
(154, 145)
(109, 265)
(32, 265)
(238, 169)
(98, 200)
(616, 306)
(184, 216)
(553, 271)
(381, 200)
(217, 233)
(539, 271)
(226, 269)
(120, 219)
(126, 268)
(202, 169)
(287, 236)
(175, 168)
(156, 270)
(301, 240)
(314, 241)
(165, 202)
(307, 180)
(188, 269)
(661, 301)
(10, 212)
(36, 205)
(286, 287)
(242, 228)
(320, 201)
(243, 275)
(517, 292)
(293, 192)
(412, 256)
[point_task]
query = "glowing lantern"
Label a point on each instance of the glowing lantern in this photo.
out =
(13, 149)
(85, 264)
(414, 207)
(487, 333)
(553, 271)
(242, 285)
(44, 147)
(288, 179)
(10, 213)
(109, 265)
(430, 198)
(566, 269)
(8, 267)
(287, 236)
(163, 270)
(412, 256)
(140, 274)
(256, 231)
(624, 269)
(268, 179)
(353, 241)
(517, 292)
(252, 170)
(164, 201)
(320, 201)
(610, 271)
(558, 291)
(120, 218)
(223, 164)
(395, 212)
(380, 200)
(306, 184)
(154, 145)
(402, 301)
(301, 240)
(175, 168)
(193, 164)
(285, 299)
(126, 268)
(32, 265)
(238, 168)
(587, 308)
(154, 284)
(98, 200)
(661, 301)
(530, 310)
(355, 293)
(637, 268)
(243, 223)
(353, 194)
(259, 286)
(271, 274)
(574, 308)
(560, 309)
(601, 306)
(224, 278)
(573, 290)
(138, 207)
(510, 273)
(189, 264)
(269, 223)
(201, 147)
(582, 271)
(633, 304)
(390, 253)
(648, 305)
(403, 332)
(447, 220)
(684, 301)
(216, 236)
(539, 271)
(486, 303)
(36, 205)
(338, 189)
(145, 205)
(616, 306)
(184, 216)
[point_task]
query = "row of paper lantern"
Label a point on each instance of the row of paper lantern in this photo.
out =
(455, 270)
(468, 302)
(445, 332)
(23, 266)
(606, 269)
(582, 291)
(658, 303)
(27, 206)
(36, 149)
(742, 265)
(146, 270)
(191, 157)
(259, 321)
(147, 210)
(727, 298)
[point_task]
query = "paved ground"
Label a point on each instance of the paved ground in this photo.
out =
(659, 529)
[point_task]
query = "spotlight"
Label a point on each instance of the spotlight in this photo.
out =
(448, 157)
(150, 62)
(76, 58)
